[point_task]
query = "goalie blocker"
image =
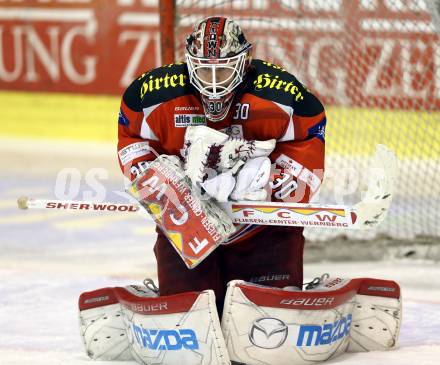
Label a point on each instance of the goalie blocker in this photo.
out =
(194, 226)
(260, 324)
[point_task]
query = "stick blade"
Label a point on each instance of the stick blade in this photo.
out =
(373, 208)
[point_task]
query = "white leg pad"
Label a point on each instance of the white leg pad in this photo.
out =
(102, 328)
(263, 325)
(376, 323)
(103, 333)
(123, 324)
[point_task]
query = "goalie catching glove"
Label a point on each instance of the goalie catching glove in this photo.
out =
(227, 167)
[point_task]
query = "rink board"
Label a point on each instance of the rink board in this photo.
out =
(350, 131)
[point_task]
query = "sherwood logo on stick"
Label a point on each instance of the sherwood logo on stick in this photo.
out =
(94, 206)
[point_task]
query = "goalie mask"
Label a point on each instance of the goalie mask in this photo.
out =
(218, 56)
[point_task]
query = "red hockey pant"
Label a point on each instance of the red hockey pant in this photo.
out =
(273, 257)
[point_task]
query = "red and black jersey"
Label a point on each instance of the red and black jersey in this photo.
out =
(270, 103)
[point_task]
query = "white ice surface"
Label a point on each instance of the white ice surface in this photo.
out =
(47, 259)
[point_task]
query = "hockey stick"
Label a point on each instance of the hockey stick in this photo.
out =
(368, 213)
(263, 213)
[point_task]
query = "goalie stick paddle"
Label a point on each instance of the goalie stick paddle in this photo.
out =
(368, 213)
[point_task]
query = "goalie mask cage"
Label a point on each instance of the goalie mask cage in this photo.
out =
(375, 64)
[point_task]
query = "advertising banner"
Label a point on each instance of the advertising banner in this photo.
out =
(382, 54)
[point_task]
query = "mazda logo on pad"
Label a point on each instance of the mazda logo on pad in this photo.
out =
(268, 333)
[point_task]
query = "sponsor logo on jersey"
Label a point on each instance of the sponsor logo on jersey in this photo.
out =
(273, 82)
(318, 130)
(186, 108)
(160, 339)
(268, 333)
(122, 119)
(314, 335)
(133, 151)
(153, 83)
(185, 120)
(293, 167)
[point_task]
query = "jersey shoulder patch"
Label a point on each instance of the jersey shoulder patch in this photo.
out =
(158, 85)
(273, 82)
